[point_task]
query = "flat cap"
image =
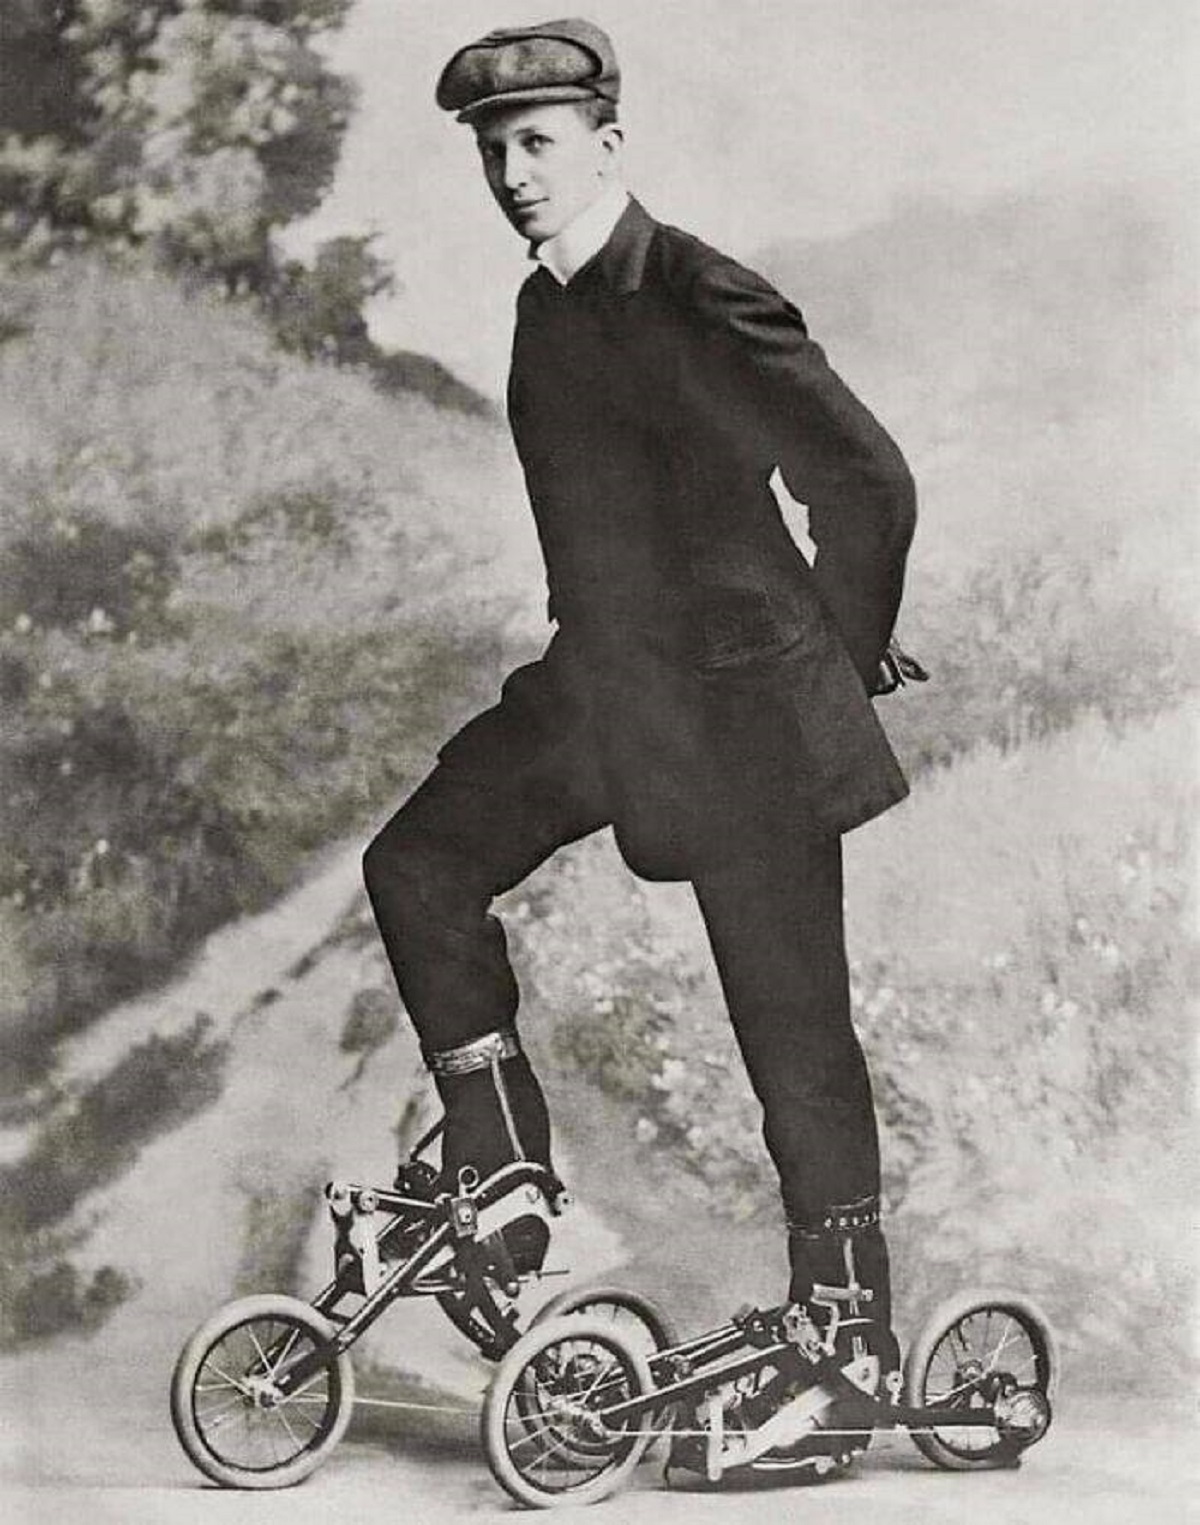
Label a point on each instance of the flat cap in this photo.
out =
(568, 60)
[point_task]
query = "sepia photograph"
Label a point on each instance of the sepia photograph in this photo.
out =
(598, 790)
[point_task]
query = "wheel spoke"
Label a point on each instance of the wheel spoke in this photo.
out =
(308, 1386)
(237, 1382)
(1005, 1340)
(596, 1381)
(307, 1417)
(289, 1346)
(235, 1412)
(530, 1437)
(953, 1392)
(262, 1355)
(230, 1399)
(286, 1423)
(558, 1446)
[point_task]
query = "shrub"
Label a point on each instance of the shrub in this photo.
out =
(88, 1140)
(84, 571)
(35, 1305)
(371, 1022)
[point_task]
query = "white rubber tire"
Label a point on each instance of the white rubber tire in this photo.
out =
(538, 1339)
(939, 1323)
(247, 1310)
(582, 1300)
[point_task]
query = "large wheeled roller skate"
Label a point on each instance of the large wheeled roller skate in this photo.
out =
(263, 1390)
(793, 1391)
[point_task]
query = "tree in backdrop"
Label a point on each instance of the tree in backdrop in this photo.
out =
(317, 309)
(194, 129)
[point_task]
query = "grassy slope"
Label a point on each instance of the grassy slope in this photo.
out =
(241, 598)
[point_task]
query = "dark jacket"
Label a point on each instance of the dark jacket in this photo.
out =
(726, 680)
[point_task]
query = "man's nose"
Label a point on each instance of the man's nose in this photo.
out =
(516, 169)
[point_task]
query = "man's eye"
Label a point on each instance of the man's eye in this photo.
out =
(536, 140)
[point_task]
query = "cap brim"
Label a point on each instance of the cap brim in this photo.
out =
(543, 93)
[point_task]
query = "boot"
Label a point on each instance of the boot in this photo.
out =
(495, 1114)
(818, 1253)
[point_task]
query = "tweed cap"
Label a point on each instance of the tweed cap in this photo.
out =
(568, 60)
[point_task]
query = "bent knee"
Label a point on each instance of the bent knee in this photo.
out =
(394, 865)
(414, 880)
(379, 860)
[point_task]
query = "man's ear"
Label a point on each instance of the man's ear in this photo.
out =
(612, 139)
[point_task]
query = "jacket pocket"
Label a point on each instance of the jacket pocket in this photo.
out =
(738, 627)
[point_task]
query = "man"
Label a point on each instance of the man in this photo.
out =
(706, 692)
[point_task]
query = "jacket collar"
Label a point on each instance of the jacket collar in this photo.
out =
(580, 241)
(620, 265)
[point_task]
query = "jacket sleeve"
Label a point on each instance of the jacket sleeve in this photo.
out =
(836, 458)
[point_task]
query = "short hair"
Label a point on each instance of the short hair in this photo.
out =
(597, 112)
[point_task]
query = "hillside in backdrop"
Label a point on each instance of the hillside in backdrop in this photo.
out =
(1036, 357)
(240, 597)
(244, 598)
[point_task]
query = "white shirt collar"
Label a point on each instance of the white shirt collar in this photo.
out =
(569, 250)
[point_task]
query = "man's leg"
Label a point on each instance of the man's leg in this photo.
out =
(518, 783)
(774, 919)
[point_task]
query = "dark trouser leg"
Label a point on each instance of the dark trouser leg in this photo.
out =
(774, 919)
(474, 829)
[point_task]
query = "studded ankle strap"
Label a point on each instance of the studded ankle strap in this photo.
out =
(842, 1219)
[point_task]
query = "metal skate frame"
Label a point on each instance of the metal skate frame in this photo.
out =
(446, 1247)
(708, 1376)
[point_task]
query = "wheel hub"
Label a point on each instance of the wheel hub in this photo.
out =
(1023, 1415)
(262, 1392)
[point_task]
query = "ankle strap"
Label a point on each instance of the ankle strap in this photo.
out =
(843, 1219)
(485, 1053)
(479, 1054)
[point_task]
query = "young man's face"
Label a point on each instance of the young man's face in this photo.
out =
(545, 164)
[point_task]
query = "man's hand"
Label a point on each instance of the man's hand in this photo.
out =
(896, 669)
